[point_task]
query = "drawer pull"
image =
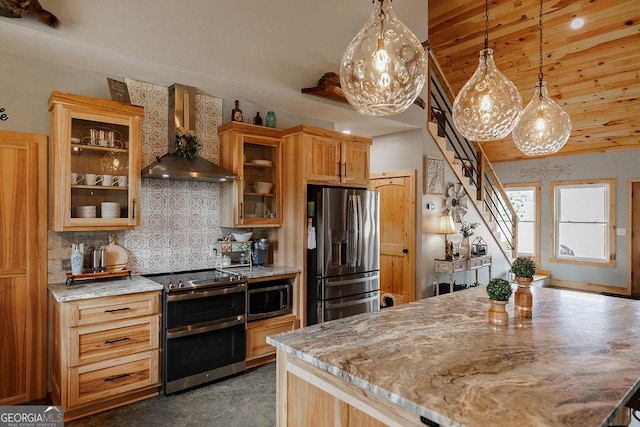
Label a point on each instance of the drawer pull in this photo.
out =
(118, 340)
(117, 377)
(117, 309)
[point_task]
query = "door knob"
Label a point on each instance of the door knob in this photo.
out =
(405, 251)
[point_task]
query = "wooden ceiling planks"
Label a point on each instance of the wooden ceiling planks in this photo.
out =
(593, 73)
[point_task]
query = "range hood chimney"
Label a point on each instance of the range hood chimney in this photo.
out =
(182, 112)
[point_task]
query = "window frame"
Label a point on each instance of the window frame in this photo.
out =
(536, 187)
(611, 226)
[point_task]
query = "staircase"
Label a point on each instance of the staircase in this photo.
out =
(471, 166)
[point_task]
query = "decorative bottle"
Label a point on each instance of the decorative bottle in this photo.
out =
(77, 259)
(271, 119)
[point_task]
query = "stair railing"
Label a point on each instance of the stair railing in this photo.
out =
(475, 165)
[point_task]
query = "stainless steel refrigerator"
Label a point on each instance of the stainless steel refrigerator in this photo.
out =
(343, 255)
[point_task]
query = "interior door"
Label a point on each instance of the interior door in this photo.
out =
(397, 233)
(23, 266)
(635, 238)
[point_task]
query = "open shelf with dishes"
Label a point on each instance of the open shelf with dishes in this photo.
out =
(95, 163)
(252, 152)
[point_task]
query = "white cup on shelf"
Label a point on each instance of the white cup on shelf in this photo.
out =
(93, 179)
(107, 180)
(120, 180)
(76, 178)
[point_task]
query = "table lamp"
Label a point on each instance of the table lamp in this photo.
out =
(445, 226)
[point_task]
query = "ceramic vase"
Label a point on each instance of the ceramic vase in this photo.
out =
(77, 259)
(497, 313)
(466, 248)
(523, 298)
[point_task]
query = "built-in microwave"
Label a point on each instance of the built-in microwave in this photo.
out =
(268, 299)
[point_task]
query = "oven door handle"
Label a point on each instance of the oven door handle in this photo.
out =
(205, 327)
(203, 294)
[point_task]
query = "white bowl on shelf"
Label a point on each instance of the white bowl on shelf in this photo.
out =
(86, 212)
(242, 237)
(110, 210)
(262, 187)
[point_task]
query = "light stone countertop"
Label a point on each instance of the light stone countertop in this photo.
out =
(123, 285)
(103, 288)
(572, 364)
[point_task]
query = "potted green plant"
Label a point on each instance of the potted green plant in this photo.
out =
(523, 268)
(499, 291)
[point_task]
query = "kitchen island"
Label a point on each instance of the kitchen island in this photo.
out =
(438, 360)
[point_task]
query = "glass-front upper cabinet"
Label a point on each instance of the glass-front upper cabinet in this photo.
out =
(94, 164)
(253, 153)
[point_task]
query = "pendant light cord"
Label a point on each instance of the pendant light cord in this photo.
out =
(540, 75)
(486, 24)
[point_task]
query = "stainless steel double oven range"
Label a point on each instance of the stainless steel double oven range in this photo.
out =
(204, 327)
(205, 314)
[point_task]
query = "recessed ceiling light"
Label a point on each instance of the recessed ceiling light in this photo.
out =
(577, 23)
(348, 132)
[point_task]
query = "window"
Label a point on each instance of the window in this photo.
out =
(584, 221)
(525, 201)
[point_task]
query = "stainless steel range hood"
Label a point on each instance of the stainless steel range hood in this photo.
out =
(182, 100)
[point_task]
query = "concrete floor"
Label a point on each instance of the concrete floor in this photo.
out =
(247, 399)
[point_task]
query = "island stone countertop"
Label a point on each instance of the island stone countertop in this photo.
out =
(573, 364)
(102, 288)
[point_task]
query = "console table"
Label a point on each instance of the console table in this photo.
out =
(461, 264)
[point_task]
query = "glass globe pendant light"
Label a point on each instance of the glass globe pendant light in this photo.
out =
(384, 67)
(488, 105)
(544, 127)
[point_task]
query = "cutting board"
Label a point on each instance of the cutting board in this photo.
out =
(117, 256)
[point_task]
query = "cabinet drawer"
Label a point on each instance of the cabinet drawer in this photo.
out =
(94, 343)
(460, 265)
(105, 309)
(475, 263)
(111, 377)
(258, 331)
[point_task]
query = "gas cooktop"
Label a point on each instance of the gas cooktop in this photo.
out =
(195, 279)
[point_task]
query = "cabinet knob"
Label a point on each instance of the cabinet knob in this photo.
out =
(405, 251)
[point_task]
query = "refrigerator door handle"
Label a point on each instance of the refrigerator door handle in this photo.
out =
(338, 283)
(352, 224)
(332, 305)
(355, 230)
(359, 232)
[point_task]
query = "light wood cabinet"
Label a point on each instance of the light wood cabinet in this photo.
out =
(307, 395)
(253, 153)
(334, 158)
(258, 351)
(23, 267)
(105, 352)
(94, 137)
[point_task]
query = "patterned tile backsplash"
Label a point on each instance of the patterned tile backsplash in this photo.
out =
(179, 219)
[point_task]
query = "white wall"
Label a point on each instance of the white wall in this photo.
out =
(621, 165)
